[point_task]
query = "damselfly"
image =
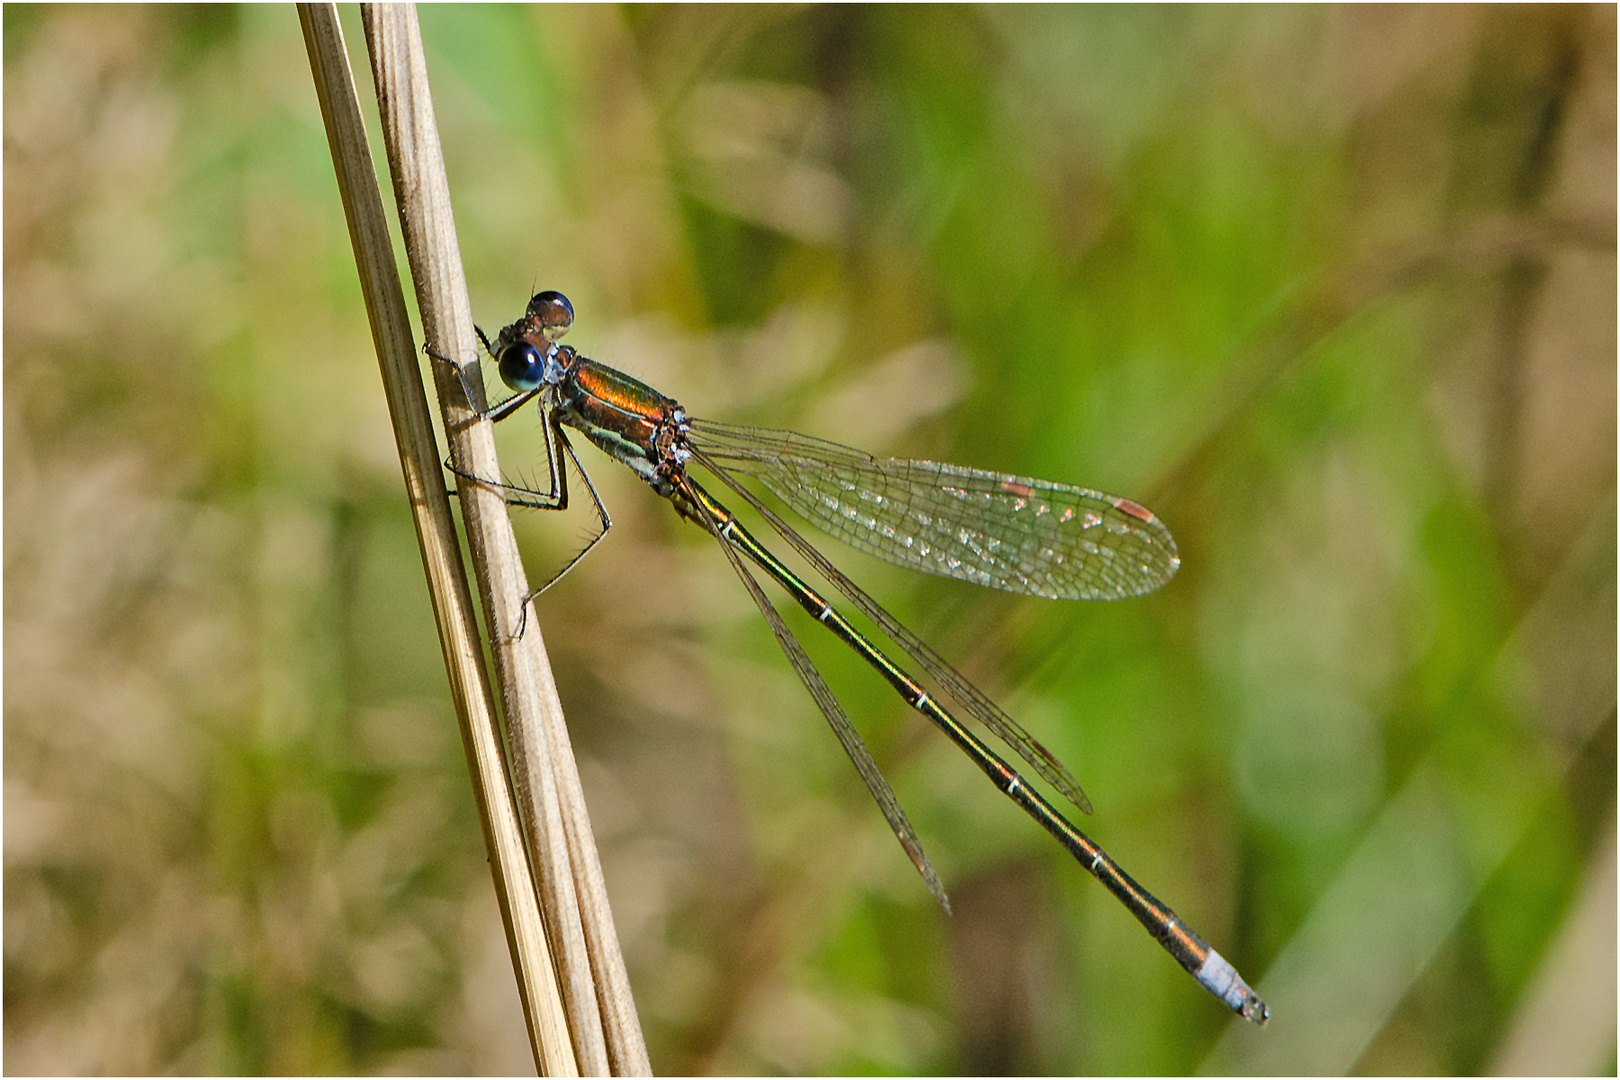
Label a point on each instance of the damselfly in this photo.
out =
(1009, 532)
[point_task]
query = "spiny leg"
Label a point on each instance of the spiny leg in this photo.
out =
(559, 483)
(556, 498)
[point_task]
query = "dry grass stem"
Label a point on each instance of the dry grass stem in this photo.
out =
(602, 1019)
(549, 1036)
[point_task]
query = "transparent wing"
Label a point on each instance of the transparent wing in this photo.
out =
(1007, 532)
(839, 720)
(975, 701)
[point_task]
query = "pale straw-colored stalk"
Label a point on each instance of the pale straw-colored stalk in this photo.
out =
(569, 968)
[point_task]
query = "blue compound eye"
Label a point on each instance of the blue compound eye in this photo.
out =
(553, 312)
(522, 367)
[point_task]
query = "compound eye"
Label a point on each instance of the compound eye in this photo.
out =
(521, 366)
(552, 311)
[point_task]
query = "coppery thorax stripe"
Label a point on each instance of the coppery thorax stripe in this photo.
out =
(616, 412)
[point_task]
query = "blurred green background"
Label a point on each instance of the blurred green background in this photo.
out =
(1331, 289)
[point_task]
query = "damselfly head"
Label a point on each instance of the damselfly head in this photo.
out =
(527, 350)
(524, 366)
